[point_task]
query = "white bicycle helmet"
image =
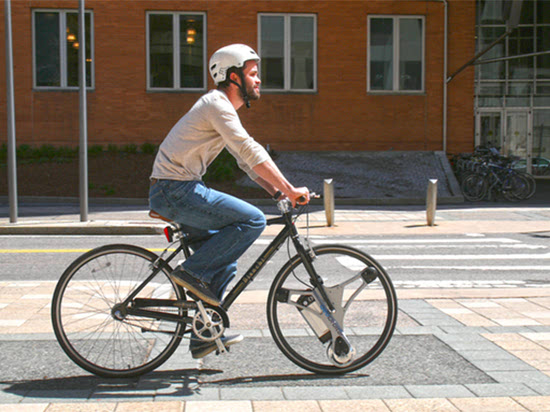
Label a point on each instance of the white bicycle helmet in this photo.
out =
(234, 55)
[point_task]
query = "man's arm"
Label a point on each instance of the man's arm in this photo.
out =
(271, 179)
(268, 187)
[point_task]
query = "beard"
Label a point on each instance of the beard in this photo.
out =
(252, 93)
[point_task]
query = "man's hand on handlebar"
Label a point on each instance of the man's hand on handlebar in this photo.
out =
(299, 196)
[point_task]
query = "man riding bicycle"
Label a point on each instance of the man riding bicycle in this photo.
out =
(178, 193)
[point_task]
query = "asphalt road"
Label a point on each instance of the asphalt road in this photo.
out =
(469, 260)
(32, 367)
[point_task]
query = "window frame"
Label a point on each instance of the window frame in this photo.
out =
(176, 88)
(506, 82)
(63, 61)
(287, 51)
(396, 53)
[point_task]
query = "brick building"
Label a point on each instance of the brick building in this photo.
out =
(337, 75)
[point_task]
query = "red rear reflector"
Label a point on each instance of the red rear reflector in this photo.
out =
(168, 233)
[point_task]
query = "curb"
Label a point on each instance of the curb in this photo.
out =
(342, 201)
(82, 228)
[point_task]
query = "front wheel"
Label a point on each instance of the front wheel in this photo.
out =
(93, 328)
(365, 306)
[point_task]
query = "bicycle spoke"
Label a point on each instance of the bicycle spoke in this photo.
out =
(94, 332)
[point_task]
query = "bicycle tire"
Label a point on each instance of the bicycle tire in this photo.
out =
(531, 184)
(474, 187)
(84, 322)
(519, 187)
(370, 314)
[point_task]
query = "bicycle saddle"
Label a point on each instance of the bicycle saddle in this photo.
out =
(156, 215)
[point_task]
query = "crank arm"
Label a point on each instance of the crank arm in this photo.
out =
(221, 347)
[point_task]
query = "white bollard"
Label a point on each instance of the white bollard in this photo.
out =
(328, 196)
(431, 201)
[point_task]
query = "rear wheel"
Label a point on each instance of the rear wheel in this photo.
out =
(98, 335)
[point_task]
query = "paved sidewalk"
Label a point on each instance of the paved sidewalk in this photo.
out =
(503, 333)
(406, 220)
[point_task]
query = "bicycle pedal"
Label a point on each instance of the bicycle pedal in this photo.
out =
(219, 353)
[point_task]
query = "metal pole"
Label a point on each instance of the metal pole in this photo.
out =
(431, 201)
(519, 56)
(445, 69)
(477, 56)
(328, 196)
(10, 103)
(83, 151)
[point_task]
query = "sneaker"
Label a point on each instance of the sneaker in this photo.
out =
(196, 286)
(199, 349)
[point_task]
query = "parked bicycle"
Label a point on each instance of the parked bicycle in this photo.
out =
(486, 174)
(331, 309)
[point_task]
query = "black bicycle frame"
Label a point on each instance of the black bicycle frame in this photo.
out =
(289, 230)
(267, 254)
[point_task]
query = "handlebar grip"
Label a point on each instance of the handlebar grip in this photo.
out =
(312, 195)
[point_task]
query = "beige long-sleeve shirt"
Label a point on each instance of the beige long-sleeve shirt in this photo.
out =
(200, 135)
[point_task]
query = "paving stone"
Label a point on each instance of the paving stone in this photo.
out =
(353, 406)
(420, 405)
(18, 407)
(377, 392)
(542, 388)
(500, 389)
(200, 394)
(463, 329)
(487, 404)
(527, 377)
(253, 394)
(226, 406)
(469, 346)
(309, 392)
(497, 354)
(278, 406)
(509, 329)
(439, 391)
(50, 396)
(419, 330)
(534, 403)
(502, 365)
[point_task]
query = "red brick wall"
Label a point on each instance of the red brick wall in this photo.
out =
(340, 116)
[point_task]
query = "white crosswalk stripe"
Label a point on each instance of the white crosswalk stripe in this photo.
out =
(518, 260)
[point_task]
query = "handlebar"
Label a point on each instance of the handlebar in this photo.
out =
(285, 205)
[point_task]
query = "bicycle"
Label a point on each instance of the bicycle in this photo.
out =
(116, 313)
(491, 179)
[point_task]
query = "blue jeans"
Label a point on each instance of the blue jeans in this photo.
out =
(232, 224)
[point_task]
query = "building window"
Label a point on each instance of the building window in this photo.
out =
(55, 49)
(396, 54)
(176, 45)
(288, 48)
(514, 78)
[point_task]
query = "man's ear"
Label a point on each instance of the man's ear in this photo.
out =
(233, 76)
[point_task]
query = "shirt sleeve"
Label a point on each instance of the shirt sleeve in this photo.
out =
(239, 143)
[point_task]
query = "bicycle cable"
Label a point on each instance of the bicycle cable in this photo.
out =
(303, 209)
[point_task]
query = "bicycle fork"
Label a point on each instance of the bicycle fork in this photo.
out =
(328, 324)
